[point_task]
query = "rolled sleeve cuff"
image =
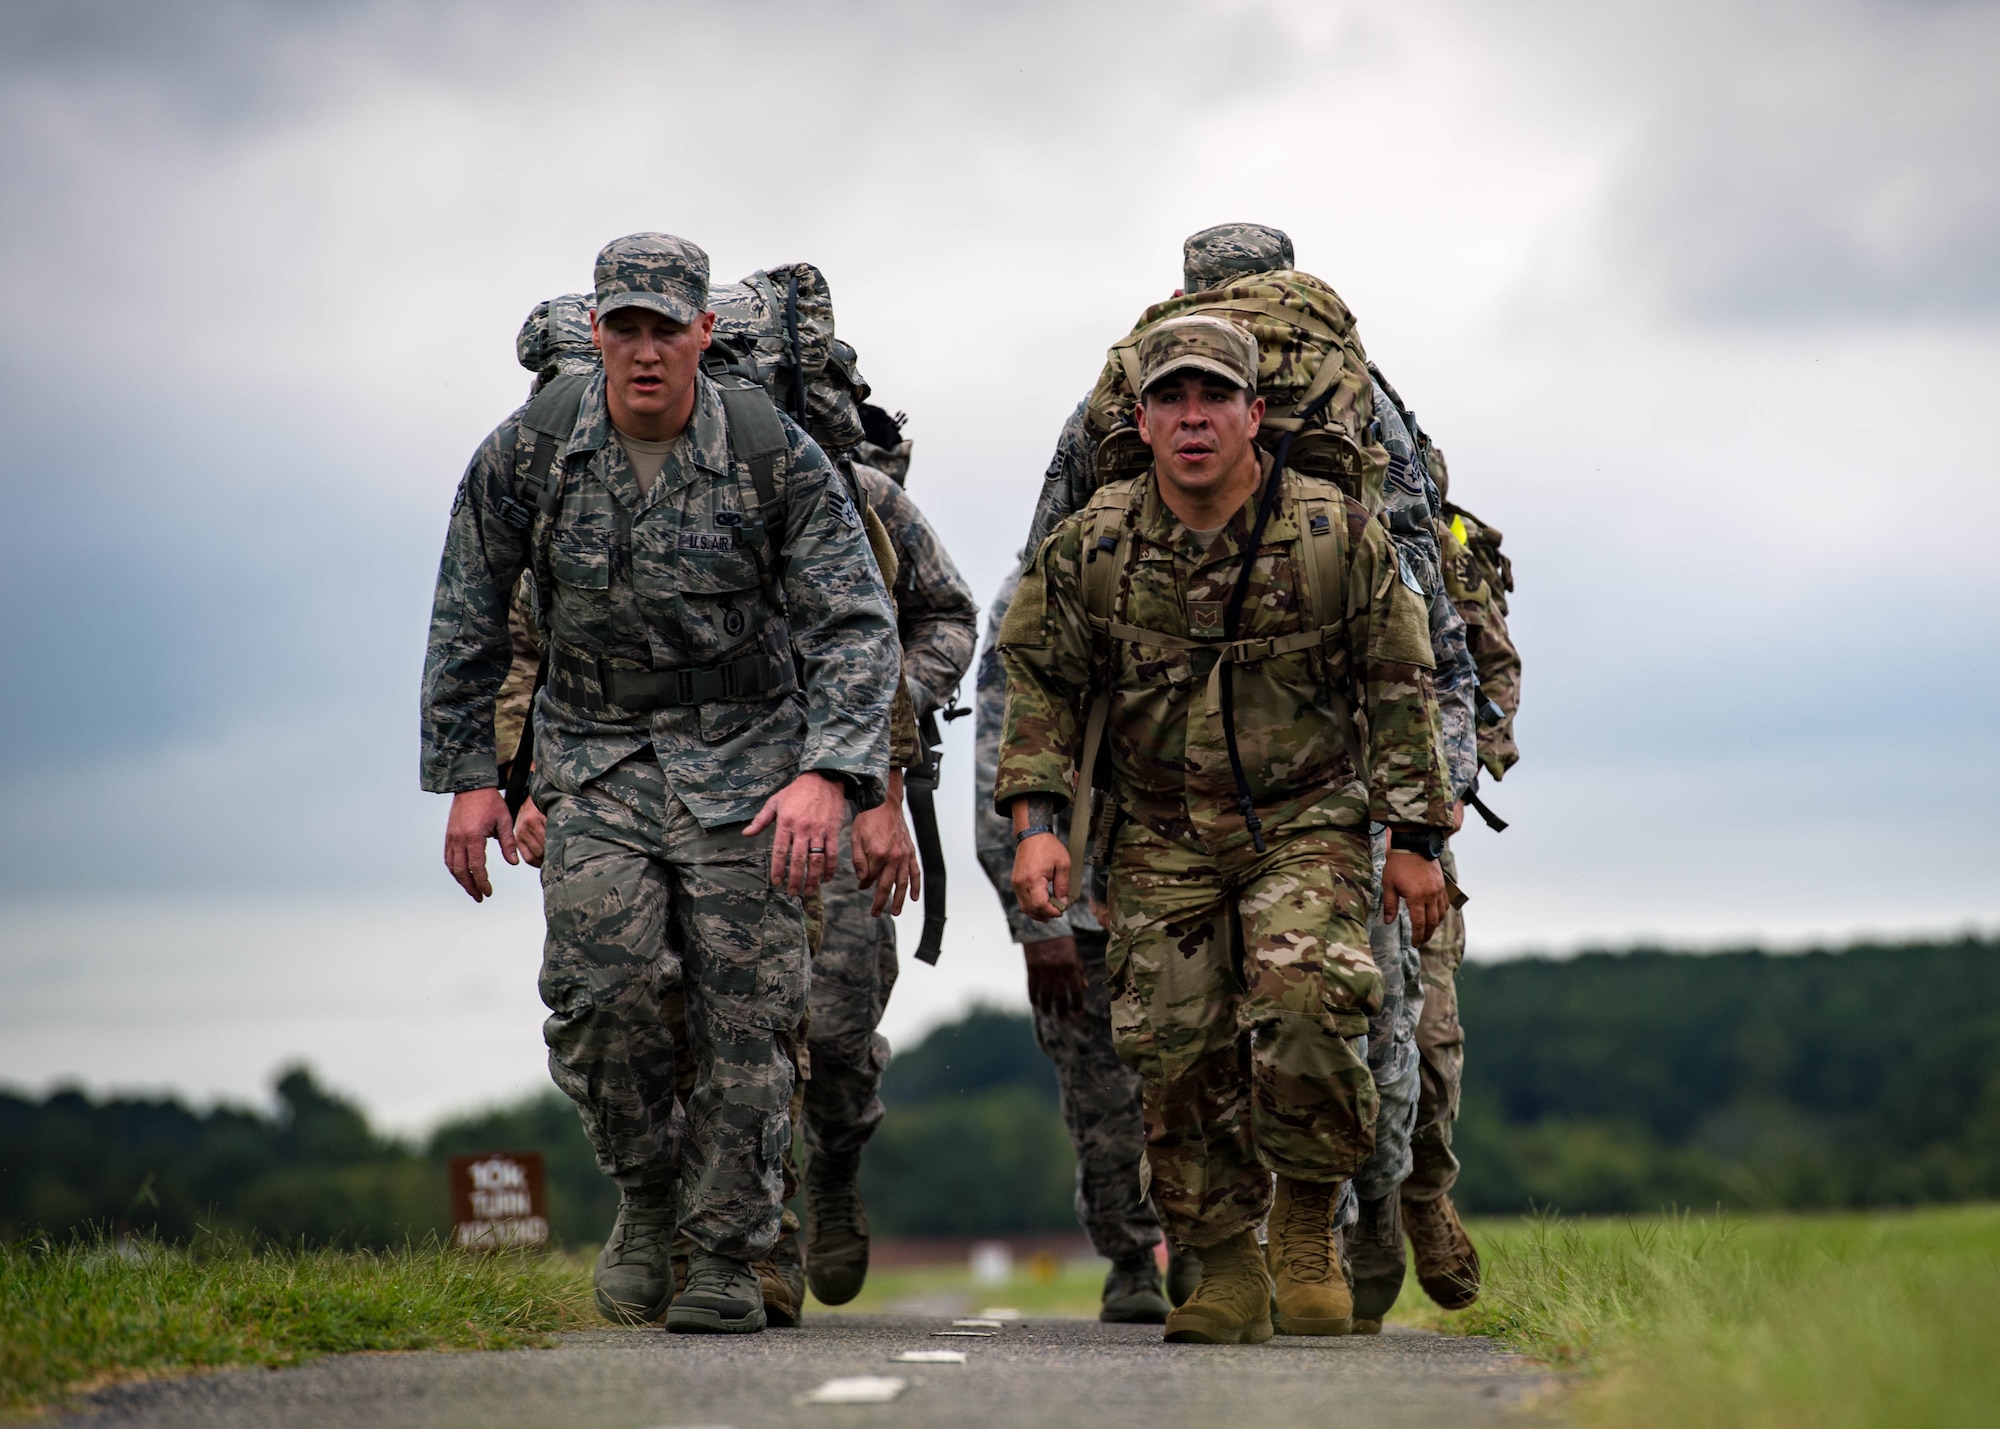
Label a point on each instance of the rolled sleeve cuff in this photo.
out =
(1019, 785)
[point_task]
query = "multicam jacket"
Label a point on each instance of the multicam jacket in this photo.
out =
(1170, 769)
(672, 581)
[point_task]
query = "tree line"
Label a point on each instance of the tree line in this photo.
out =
(1600, 1083)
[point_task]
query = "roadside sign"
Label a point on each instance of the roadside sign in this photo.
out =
(499, 1200)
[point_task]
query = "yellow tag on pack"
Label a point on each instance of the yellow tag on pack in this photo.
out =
(1458, 529)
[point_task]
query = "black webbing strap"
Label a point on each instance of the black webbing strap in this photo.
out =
(1232, 617)
(920, 790)
(595, 684)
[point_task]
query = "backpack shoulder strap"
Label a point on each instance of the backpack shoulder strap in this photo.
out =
(550, 417)
(757, 438)
(1329, 524)
(1107, 546)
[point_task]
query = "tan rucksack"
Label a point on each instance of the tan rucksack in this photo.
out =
(1311, 372)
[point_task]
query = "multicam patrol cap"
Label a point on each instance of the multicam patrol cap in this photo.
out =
(1229, 250)
(1207, 344)
(653, 270)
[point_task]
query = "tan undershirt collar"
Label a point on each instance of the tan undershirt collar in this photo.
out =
(647, 459)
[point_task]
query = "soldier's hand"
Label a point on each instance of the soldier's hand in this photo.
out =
(1055, 976)
(476, 816)
(1419, 882)
(885, 857)
(808, 813)
(1041, 866)
(531, 832)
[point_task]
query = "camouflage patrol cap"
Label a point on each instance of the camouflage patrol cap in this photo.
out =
(653, 270)
(557, 328)
(1232, 250)
(1207, 344)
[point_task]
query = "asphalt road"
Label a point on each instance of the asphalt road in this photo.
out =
(1034, 1372)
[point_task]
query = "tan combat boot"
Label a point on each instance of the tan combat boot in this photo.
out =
(1312, 1294)
(1447, 1263)
(1232, 1304)
(782, 1276)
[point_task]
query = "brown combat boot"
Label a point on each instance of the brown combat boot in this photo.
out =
(1447, 1263)
(1312, 1294)
(782, 1276)
(1232, 1304)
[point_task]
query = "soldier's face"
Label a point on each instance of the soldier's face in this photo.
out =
(1199, 428)
(649, 360)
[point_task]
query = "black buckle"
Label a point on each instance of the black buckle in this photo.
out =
(515, 513)
(683, 685)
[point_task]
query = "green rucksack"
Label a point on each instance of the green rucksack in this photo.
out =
(1311, 372)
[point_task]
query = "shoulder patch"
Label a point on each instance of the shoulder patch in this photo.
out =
(842, 506)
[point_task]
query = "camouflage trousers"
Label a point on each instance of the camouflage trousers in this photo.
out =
(1241, 988)
(1441, 1048)
(641, 902)
(1392, 1044)
(1103, 1109)
(853, 973)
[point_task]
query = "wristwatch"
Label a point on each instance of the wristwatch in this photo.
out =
(1425, 843)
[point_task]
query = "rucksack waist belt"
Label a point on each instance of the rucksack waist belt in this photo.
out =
(594, 683)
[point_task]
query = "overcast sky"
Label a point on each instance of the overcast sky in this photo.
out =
(1702, 299)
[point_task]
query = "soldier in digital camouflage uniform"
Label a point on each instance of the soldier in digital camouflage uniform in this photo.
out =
(1101, 1096)
(1214, 258)
(555, 341)
(705, 718)
(1241, 974)
(855, 969)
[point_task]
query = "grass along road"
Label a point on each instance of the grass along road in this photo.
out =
(1886, 1319)
(77, 1316)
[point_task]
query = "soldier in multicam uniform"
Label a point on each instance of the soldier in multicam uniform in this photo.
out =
(855, 968)
(1239, 959)
(706, 717)
(1414, 1034)
(1101, 1097)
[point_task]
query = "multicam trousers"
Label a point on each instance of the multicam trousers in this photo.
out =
(854, 972)
(1392, 1044)
(641, 901)
(1104, 1111)
(1241, 989)
(1441, 1047)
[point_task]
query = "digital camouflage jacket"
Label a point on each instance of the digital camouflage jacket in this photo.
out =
(670, 580)
(1169, 766)
(936, 615)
